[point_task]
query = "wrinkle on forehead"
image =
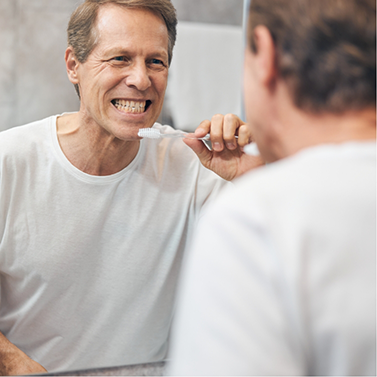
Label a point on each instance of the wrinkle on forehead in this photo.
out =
(107, 12)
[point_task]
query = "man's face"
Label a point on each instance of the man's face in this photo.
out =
(122, 83)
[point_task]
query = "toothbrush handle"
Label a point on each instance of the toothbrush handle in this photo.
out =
(207, 137)
(173, 135)
(185, 136)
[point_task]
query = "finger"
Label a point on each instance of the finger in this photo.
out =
(230, 127)
(200, 149)
(216, 132)
(244, 135)
(203, 128)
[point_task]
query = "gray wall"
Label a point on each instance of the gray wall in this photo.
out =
(228, 12)
(33, 80)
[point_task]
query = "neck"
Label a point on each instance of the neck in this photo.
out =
(297, 129)
(92, 149)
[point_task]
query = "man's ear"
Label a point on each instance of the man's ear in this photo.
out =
(265, 57)
(72, 65)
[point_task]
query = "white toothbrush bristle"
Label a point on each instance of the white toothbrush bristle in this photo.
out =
(150, 133)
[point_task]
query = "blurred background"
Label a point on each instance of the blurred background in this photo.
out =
(204, 79)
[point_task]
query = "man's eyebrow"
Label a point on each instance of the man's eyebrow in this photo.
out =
(124, 52)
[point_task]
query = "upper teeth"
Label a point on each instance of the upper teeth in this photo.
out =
(130, 106)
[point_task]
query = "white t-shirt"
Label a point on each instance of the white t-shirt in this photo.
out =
(281, 277)
(88, 264)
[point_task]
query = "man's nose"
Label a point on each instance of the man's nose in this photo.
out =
(138, 77)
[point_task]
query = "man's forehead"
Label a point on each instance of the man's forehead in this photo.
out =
(121, 29)
(116, 17)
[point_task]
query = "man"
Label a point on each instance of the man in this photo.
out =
(282, 272)
(94, 220)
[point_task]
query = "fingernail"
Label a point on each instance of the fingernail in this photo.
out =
(216, 146)
(230, 145)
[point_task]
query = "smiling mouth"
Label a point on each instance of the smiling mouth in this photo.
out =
(134, 107)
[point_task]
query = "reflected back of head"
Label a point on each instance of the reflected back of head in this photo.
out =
(325, 50)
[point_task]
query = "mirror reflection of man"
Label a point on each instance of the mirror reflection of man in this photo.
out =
(281, 278)
(94, 220)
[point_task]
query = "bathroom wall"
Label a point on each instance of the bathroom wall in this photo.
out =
(33, 80)
(227, 12)
(206, 73)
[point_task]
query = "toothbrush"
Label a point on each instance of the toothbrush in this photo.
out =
(152, 133)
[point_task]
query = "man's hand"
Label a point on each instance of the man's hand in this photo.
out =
(227, 158)
(14, 362)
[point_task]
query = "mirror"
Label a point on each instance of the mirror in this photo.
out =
(34, 82)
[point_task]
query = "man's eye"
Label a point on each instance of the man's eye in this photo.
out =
(157, 61)
(119, 58)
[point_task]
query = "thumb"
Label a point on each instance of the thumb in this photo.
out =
(200, 150)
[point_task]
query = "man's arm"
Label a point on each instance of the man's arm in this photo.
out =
(15, 362)
(227, 158)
